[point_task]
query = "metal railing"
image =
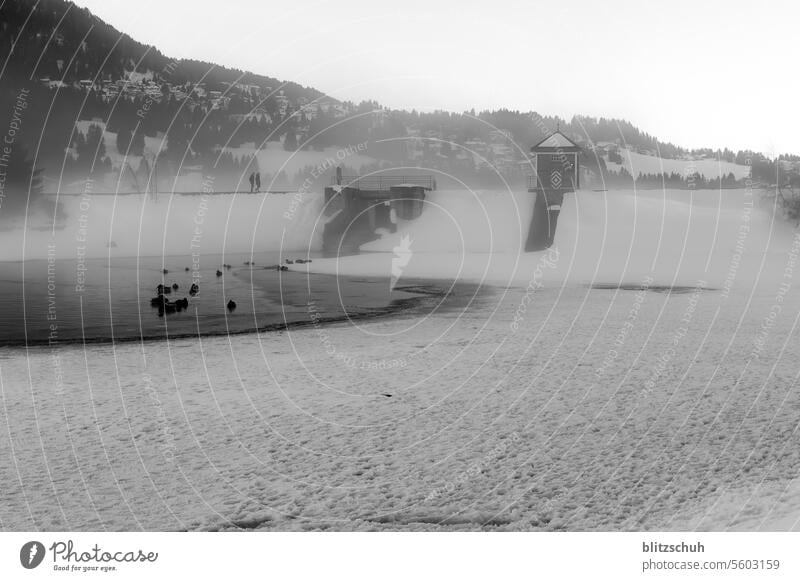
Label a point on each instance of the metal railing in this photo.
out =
(384, 183)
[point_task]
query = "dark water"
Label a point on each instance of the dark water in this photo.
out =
(42, 302)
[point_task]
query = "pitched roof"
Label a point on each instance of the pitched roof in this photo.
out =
(556, 140)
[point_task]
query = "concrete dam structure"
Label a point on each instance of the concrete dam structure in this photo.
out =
(360, 205)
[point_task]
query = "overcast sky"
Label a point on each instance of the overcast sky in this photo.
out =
(698, 74)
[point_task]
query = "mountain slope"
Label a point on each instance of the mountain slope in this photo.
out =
(105, 111)
(58, 40)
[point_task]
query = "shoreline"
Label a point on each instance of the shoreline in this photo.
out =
(422, 291)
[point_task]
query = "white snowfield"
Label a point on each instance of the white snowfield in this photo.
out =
(152, 146)
(636, 163)
(271, 158)
(542, 405)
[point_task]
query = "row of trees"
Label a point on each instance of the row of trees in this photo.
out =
(90, 158)
(623, 179)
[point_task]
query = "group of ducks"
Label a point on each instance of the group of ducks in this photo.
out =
(252, 263)
(290, 261)
(166, 306)
(226, 267)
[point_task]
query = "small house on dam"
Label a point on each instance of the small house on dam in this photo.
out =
(555, 161)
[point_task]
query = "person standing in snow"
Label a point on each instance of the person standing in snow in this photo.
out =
(252, 182)
(258, 182)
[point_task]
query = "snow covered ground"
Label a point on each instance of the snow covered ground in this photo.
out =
(152, 145)
(543, 404)
(589, 409)
(272, 159)
(636, 163)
